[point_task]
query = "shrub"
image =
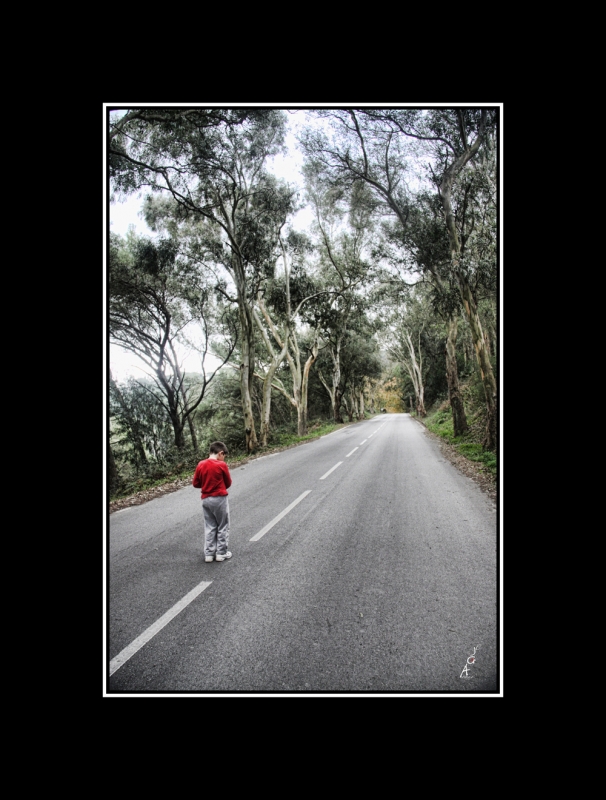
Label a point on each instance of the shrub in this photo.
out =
(440, 423)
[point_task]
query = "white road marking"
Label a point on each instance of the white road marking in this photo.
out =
(326, 474)
(365, 440)
(138, 643)
(269, 525)
(347, 456)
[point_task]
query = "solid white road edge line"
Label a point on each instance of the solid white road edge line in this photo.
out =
(133, 647)
(326, 474)
(347, 456)
(269, 525)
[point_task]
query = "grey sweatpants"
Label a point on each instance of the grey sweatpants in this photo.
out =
(216, 525)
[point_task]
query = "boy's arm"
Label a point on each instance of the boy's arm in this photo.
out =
(197, 481)
(226, 476)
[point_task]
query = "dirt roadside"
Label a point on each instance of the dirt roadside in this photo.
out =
(472, 469)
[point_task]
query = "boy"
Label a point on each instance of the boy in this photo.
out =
(212, 476)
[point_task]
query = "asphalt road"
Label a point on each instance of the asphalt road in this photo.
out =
(382, 578)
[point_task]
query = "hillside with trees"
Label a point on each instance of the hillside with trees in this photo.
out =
(386, 301)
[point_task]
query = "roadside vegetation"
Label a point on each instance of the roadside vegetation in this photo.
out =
(439, 421)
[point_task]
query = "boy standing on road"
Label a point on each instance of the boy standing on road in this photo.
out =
(212, 476)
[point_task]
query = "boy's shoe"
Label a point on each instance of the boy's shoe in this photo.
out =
(209, 558)
(223, 557)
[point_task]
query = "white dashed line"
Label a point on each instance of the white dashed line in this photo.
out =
(270, 525)
(326, 474)
(347, 456)
(138, 643)
(365, 440)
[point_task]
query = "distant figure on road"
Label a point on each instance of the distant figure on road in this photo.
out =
(212, 476)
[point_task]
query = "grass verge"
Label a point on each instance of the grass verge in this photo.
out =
(469, 445)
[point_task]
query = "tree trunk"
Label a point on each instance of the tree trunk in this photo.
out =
(182, 392)
(275, 359)
(266, 409)
(334, 391)
(178, 430)
(302, 408)
(172, 400)
(350, 407)
(266, 406)
(459, 419)
(192, 433)
(371, 399)
(469, 304)
(112, 470)
(487, 375)
(301, 405)
(335, 399)
(301, 420)
(415, 370)
(247, 368)
(338, 398)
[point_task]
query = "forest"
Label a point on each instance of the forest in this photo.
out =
(386, 301)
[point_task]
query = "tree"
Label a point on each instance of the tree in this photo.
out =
(372, 147)
(153, 297)
(281, 304)
(137, 139)
(407, 337)
(125, 412)
(213, 166)
(140, 431)
(343, 228)
(425, 239)
(360, 367)
(456, 137)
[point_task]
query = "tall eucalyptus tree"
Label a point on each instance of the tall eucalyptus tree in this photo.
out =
(342, 230)
(425, 242)
(375, 147)
(153, 297)
(284, 316)
(213, 164)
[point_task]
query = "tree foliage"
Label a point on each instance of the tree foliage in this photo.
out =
(378, 148)
(154, 296)
(403, 251)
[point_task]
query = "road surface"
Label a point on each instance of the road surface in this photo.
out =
(363, 562)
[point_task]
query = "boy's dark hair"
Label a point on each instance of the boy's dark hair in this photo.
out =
(218, 447)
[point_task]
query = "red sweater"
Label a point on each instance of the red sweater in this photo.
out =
(212, 476)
